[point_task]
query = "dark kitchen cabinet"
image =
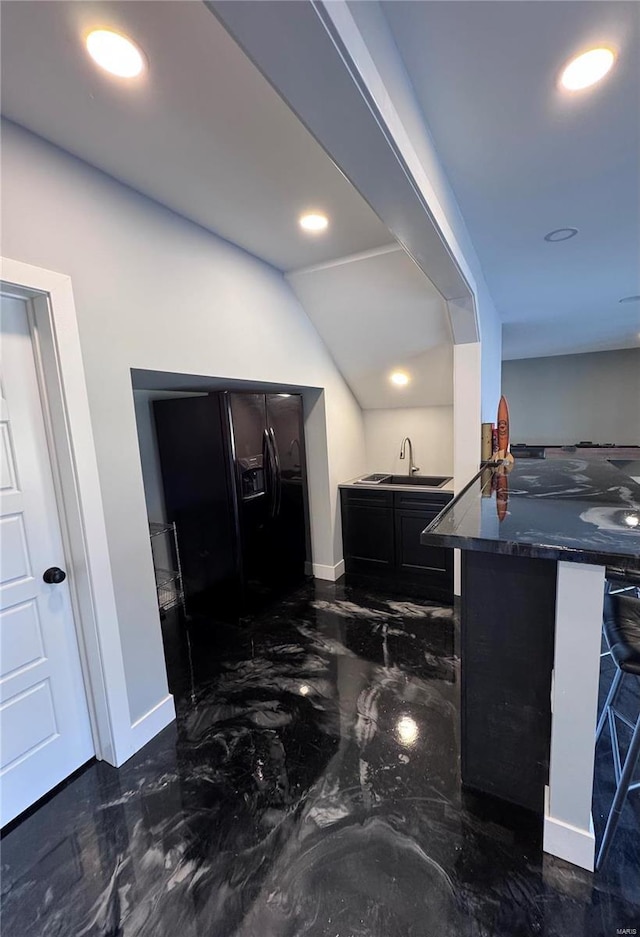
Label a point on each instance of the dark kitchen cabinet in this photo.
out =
(411, 555)
(367, 532)
(381, 538)
(507, 648)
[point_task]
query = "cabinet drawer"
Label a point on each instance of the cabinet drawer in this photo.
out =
(366, 496)
(420, 501)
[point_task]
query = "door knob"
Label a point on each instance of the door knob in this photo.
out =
(54, 575)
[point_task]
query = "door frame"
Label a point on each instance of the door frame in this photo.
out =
(65, 407)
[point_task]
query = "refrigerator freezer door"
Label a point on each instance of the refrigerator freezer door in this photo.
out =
(249, 446)
(289, 538)
(246, 415)
(248, 421)
(195, 477)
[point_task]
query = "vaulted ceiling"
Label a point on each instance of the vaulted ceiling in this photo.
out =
(382, 293)
(202, 132)
(205, 134)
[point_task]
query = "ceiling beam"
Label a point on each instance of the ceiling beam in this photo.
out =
(299, 51)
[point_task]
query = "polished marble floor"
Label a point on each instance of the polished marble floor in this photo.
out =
(309, 787)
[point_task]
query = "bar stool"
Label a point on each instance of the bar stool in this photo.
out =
(622, 631)
(622, 580)
(619, 581)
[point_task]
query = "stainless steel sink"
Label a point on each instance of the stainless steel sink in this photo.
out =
(428, 481)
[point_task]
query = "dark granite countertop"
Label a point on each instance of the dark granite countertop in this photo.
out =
(575, 509)
(446, 488)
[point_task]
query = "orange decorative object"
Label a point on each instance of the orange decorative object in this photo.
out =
(503, 429)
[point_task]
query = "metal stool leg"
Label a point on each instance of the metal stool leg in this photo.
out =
(613, 689)
(621, 794)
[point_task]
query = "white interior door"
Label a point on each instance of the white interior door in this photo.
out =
(45, 732)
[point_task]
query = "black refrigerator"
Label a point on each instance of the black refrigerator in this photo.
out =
(234, 477)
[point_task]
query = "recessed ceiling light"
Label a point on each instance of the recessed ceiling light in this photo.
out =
(561, 234)
(115, 53)
(400, 378)
(630, 299)
(586, 69)
(313, 222)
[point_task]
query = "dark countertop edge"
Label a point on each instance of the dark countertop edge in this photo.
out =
(622, 561)
(573, 447)
(532, 550)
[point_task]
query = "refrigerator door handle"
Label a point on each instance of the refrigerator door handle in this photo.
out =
(271, 486)
(267, 466)
(278, 473)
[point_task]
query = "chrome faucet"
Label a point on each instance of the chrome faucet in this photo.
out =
(413, 469)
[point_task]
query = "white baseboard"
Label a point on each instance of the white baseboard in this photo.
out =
(568, 842)
(331, 573)
(154, 721)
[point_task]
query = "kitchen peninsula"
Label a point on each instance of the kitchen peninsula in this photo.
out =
(535, 541)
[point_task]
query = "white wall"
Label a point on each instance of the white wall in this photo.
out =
(567, 398)
(430, 430)
(467, 365)
(377, 312)
(149, 458)
(151, 472)
(157, 292)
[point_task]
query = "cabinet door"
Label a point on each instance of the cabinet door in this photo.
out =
(368, 538)
(507, 644)
(411, 555)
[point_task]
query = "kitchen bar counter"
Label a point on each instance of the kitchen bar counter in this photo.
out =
(575, 510)
(535, 543)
